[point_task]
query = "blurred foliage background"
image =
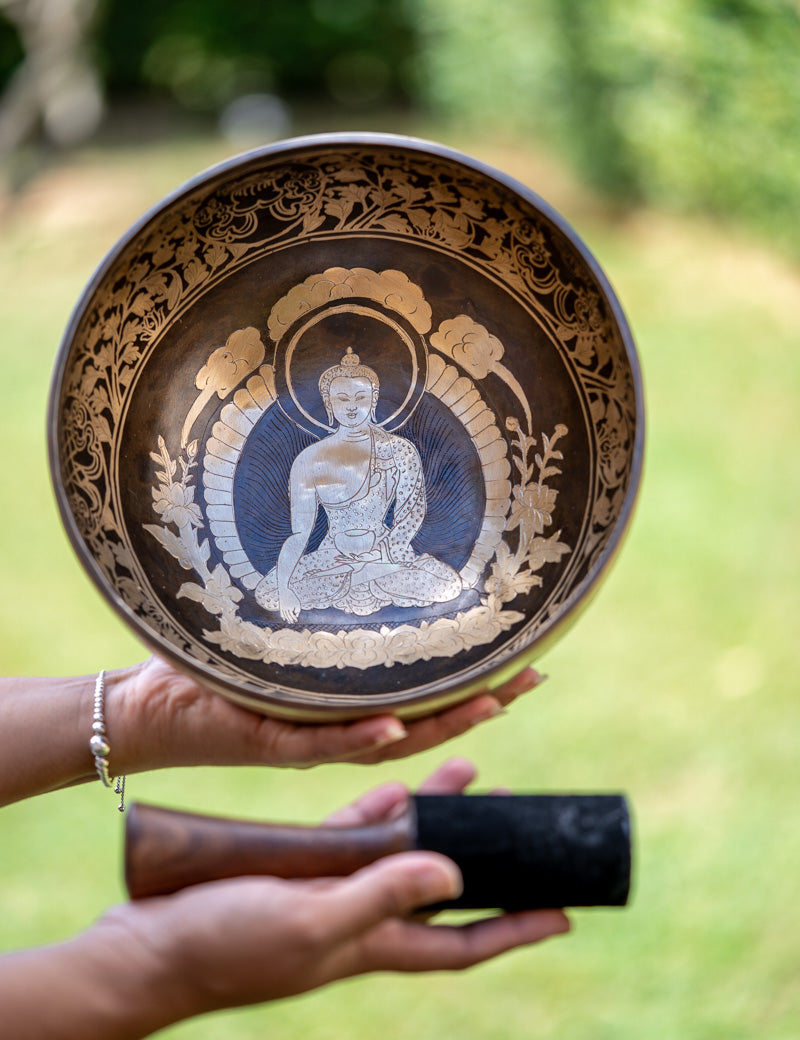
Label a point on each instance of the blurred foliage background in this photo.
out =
(688, 104)
(666, 133)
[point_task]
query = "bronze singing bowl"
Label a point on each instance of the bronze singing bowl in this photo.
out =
(348, 424)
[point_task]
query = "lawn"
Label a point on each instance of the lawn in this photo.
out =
(678, 685)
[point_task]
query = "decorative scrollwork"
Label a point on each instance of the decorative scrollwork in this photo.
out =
(220, 226)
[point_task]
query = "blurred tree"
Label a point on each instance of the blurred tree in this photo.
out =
(205, 53)
(693, 104)
(49, 79)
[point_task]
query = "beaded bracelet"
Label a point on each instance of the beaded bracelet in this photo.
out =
(99, 745)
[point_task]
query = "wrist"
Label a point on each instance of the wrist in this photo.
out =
(104, 984)
(132, 713)
(127, 976)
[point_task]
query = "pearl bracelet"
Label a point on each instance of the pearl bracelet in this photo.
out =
(99, 745)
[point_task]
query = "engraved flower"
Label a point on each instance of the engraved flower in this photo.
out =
(238, 637)
(217, 595)
(288, 646)
(303, 182)
(219, 586)
(588, 326)
(403, 644)
(529, 234)
(78, 426)
(365, 647)
(299, 191)
(505, 587)
(506, 581)
(212, 211)
(174, 504)
(532, 509)
(613, 440)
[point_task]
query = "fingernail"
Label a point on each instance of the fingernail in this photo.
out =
(444, 880)
(393, 731)
(489, 713)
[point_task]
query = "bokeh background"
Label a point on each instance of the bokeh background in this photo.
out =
(668, 135)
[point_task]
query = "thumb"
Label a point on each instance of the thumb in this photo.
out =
(394, 886)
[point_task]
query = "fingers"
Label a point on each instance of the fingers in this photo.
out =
(184, 724)
(391, 887)
(521, 683)
(452, 777)
(390, 799)
(381, 803)
(303, 746)
(429, 732)
(411, 947)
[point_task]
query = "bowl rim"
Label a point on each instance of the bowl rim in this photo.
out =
(308, 707)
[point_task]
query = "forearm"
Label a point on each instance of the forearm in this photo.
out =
(45, 726)
(97, 986)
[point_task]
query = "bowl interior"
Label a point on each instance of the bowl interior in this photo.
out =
(345, 424)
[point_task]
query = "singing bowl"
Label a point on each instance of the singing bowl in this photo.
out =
(347, 424)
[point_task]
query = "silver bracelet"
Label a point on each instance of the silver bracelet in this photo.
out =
(99, 745)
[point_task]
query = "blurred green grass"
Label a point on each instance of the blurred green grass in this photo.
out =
(678, 685)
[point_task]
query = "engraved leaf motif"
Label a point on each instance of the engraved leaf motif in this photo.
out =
(473, 208)
(194, 273)
(172, 543)
(339, 208)
(312, 220)
(408, 193)
(546, 550)
(163, 459)
(455, 229)
(218, 596)
(129, 354)
(164, 287)
(141, 303)
(242, 638)
(442, 195)
(506, 580)
(394, 222)
(125, 376)
(185, 254)
(130, 330)
(104, 356)
(494, 232)
(420, 219)
(350, 173)
(215, 255)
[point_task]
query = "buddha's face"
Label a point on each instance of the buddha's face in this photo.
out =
(351, 400)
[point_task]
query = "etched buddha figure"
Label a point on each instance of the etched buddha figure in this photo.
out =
(356, 474)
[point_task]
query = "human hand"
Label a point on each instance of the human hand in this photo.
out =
(389, 800)
(249, 940)
(298, 935)
(160, 717)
